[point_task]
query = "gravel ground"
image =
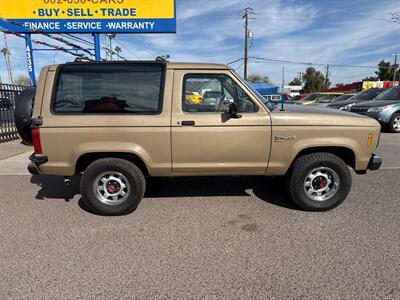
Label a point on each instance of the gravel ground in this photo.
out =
(200, 238)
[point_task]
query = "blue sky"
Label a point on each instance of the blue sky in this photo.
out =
(321, 31)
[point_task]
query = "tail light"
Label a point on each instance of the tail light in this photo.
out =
(36, 141)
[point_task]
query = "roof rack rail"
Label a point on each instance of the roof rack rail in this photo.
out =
(80, 59)
(163, 58)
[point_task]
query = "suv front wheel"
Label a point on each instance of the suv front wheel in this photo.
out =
(319, 181)
(112, 186)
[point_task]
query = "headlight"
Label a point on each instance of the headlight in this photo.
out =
(377, 109)
(347, 107)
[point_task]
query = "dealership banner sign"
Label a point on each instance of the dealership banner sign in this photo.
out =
(88, 16)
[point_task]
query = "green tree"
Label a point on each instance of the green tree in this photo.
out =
(296, 81)
(371, 78)
(385, 70)
(314, 81)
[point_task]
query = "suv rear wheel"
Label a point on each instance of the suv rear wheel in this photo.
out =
(319, 181)
(394, 125)
(113, 186)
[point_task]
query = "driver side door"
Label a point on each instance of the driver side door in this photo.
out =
(207, 141)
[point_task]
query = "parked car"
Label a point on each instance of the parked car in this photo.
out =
(296, 98)
(309, 98)
(361, 97)
(328, 99)
(116, 147)
(385, 108)
(277, 98)
(312, 98)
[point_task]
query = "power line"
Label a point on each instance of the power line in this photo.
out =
(82, 56)
(257, 59)
(89, 43)
(127, 49)
(45, 34)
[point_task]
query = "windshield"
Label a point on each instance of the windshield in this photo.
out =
(325, 98)
(368, 95)
(343, 97)
(390, 94)
(311, 97)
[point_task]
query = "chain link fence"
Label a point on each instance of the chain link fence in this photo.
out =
(8, 93)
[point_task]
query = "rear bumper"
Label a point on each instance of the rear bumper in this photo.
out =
(36, 162)
(375, 162)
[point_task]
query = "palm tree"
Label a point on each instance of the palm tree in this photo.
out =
(118, 50)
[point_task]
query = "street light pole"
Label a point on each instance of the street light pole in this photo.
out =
(395, 67)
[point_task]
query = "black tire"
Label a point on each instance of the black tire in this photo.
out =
(131, 173)
(23, 114)
(392, 123)
(303, 166)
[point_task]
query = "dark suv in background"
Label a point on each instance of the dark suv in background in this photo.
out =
(385, 108)
(364, 96)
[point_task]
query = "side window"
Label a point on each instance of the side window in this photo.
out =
(213, 93)
(109, 89)
(207, 93)
(244, 102)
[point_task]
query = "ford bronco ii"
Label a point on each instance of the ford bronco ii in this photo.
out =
(118, 123)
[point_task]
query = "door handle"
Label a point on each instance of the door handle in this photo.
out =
(188, 123)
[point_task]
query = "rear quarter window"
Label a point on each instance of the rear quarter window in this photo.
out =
(109, 89)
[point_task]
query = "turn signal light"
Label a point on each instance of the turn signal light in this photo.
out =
(36, 141)
(370, 139)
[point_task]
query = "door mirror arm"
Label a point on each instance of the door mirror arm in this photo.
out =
(232, 111)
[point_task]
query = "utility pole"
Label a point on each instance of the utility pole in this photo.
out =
(395, 67)
(300, 76)
(7, 53)
(245, 15)
(110, 49)
(283, 79)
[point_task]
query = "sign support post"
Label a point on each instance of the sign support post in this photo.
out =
(97, 46)
(29, 58)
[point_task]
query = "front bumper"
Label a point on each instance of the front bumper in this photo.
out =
(375, 162)
(36, 162)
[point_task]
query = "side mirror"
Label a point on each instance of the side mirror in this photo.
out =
(232, 111)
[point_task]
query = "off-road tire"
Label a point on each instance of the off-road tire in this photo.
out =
(299, 171)
(23, 114)
(391, 124)
(131, 172)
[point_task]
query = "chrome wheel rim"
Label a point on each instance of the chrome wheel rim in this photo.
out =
(396, 123)
(321, 184)
(111, 188)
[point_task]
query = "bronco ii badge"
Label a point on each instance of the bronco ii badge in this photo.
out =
(285, 138)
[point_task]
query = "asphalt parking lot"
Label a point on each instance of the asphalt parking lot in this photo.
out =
(202, 238)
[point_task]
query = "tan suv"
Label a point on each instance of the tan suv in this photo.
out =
(119, 123)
